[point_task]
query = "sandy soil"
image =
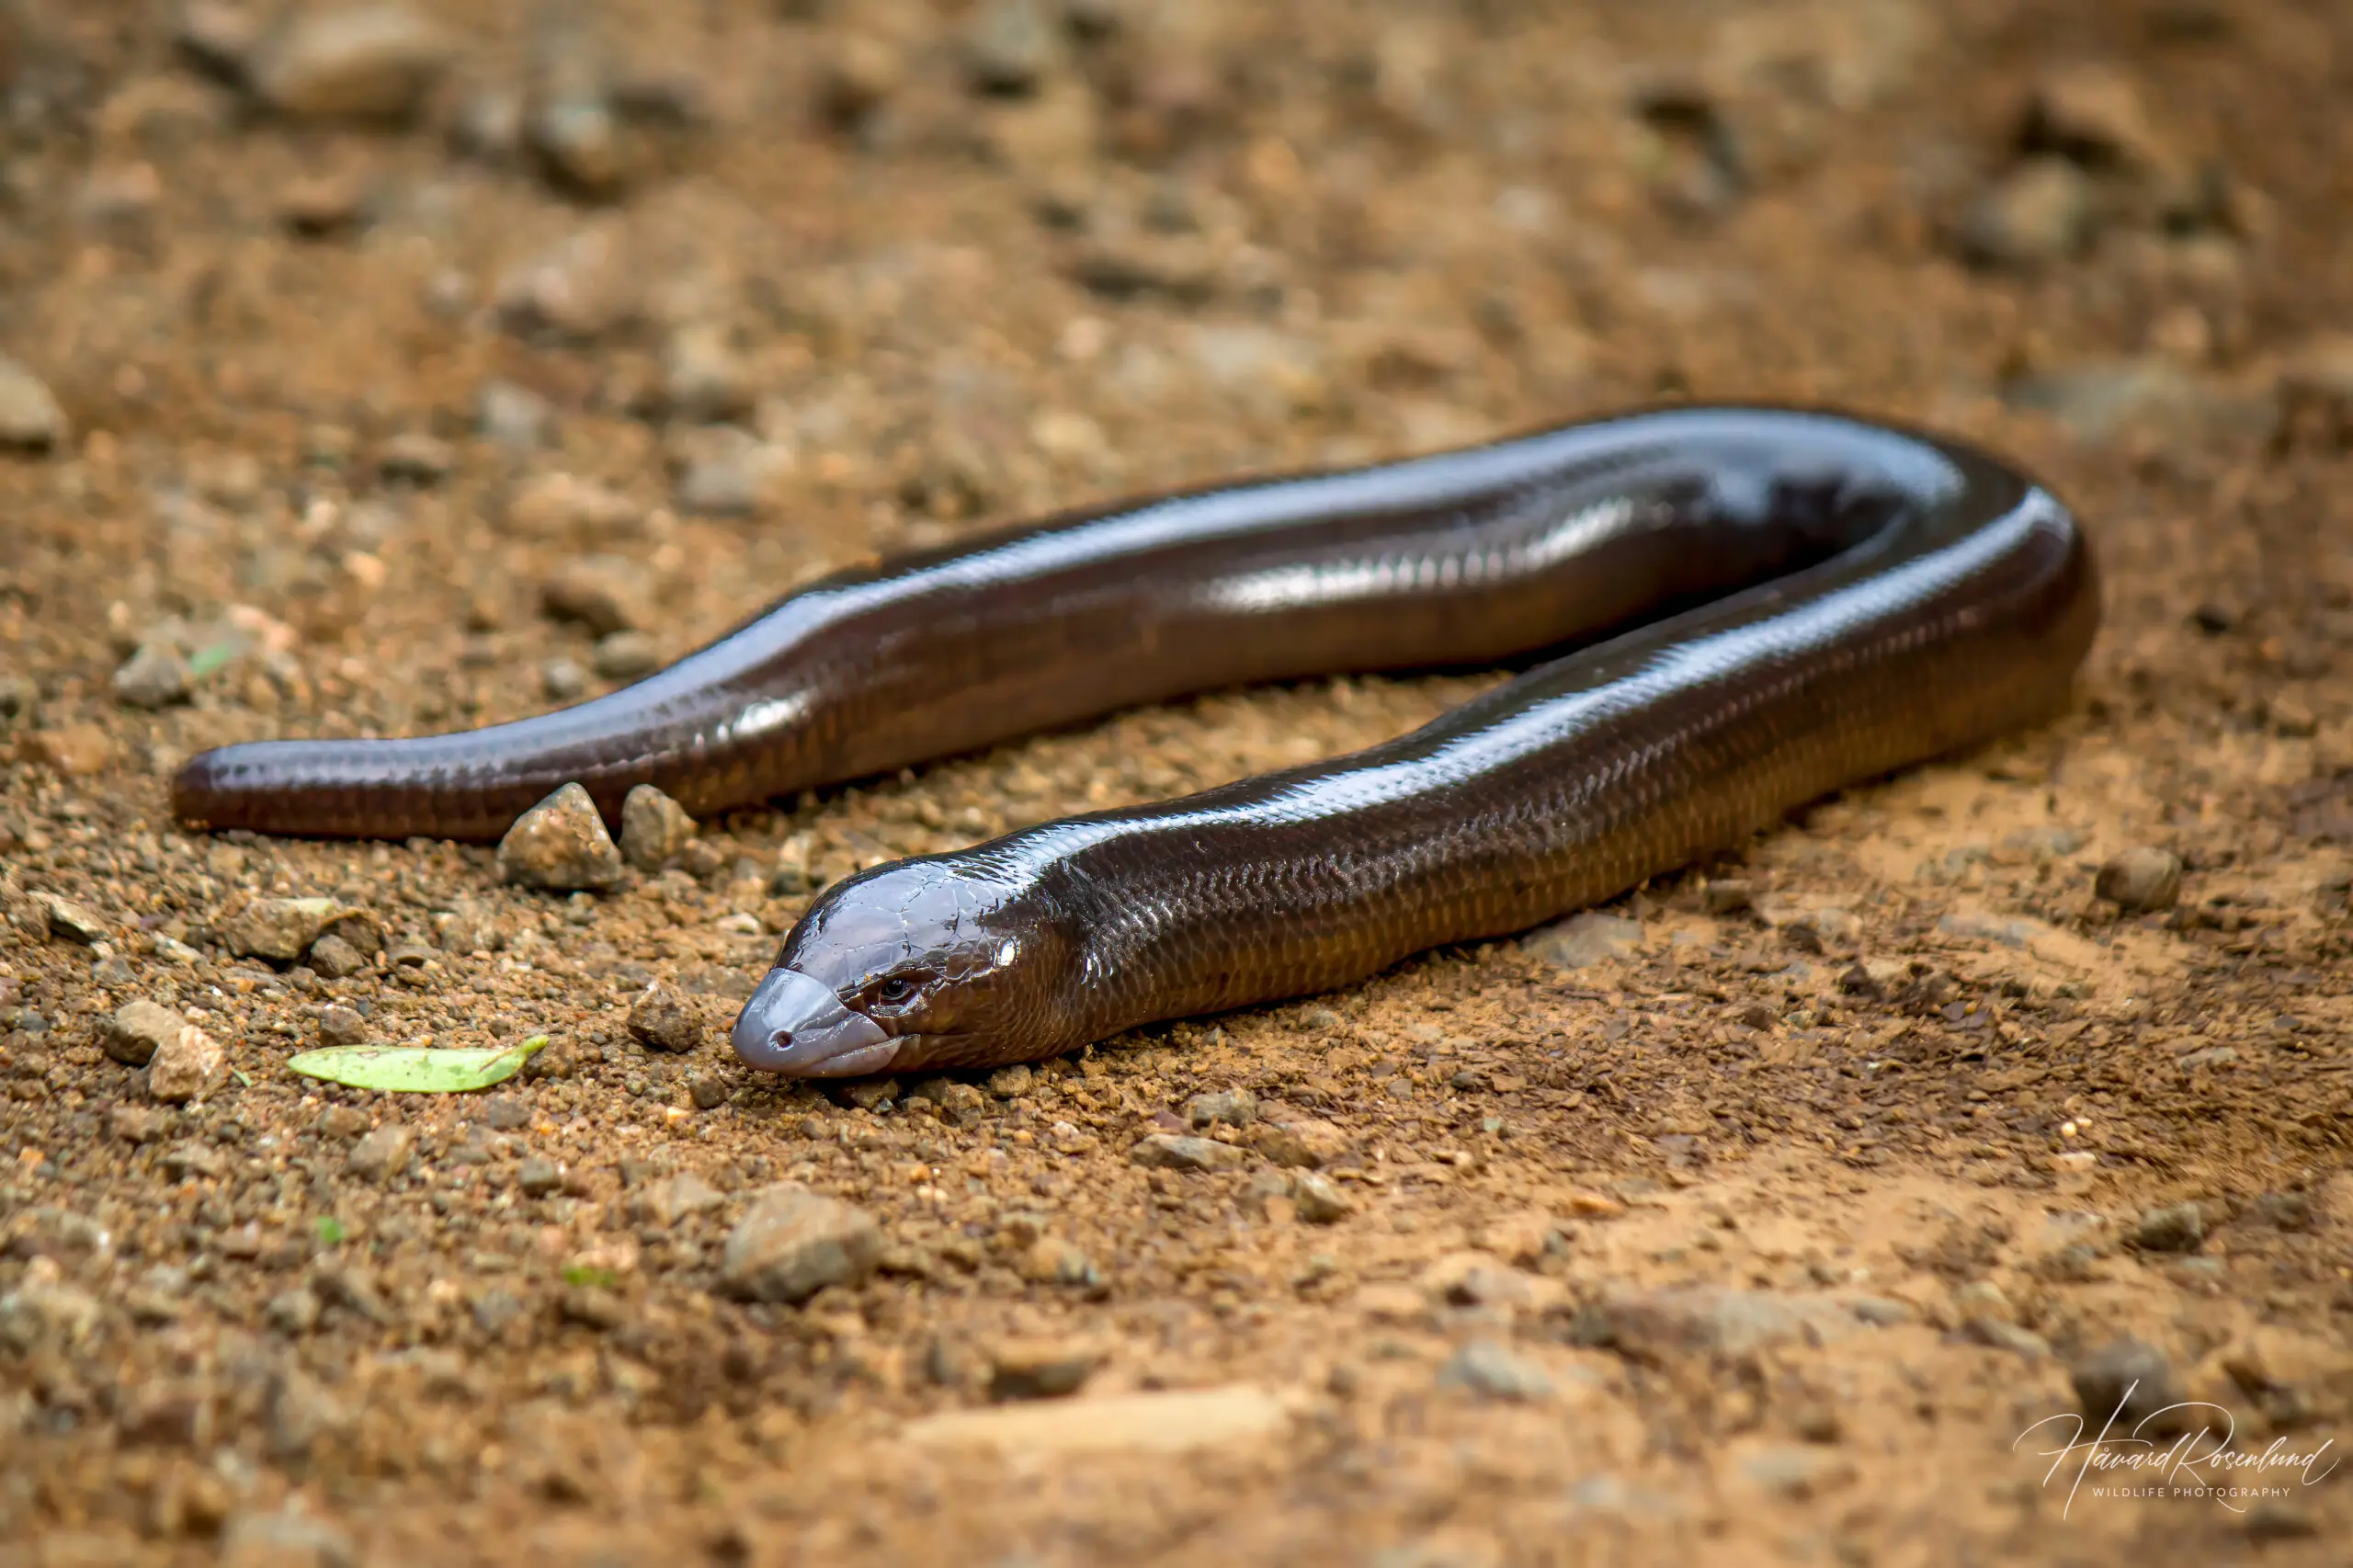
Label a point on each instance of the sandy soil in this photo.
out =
(1765, 1228)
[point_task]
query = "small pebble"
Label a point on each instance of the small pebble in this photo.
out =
(155, 676)
(703, 378)
(343, 1121)
(653, 828)
(2040, 211)
(1045, 1369)
(2180, 1227)
(625, 655)
(2140, 880)
(604, 593)
(138, 1030)
(1167, 1151)
(565, 506)
(30, 419)
(335, 957)
(664, 1020)
(417, 457)
(383, 1153)
(1583, 941)
(537, 1177)
(277, 928)
(1319, 1200)
(871, 1094)
(514, 416)
(859, 74)
(560, 844)
(186, 1065)
(791, 1243)
(362, 62)
(1009, 46)
(2128, 1381)
(1496, 1371)
(1728, 895)
(1011, 1083)
(1231, 1108)
(562, 681)
(1304, 1142)
(578, 290)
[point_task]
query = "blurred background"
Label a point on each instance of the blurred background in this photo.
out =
(386, 365)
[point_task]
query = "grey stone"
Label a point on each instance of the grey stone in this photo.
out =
(417, 457)
(2041, 211)
(537, 1177)
(336, 958)
(185, 1067)
(2180, 1227)
(360, 63)
(606, 594)
(514, 416)
(138, 1030)
(791, 1243)
(664, 1020)
(1319, 1200)
(74, 922)
(577, 290)
(155, 676)
(1713, 1320)
(286, 1539)
(1583, 941)
(293, 1313)
(1041, 1369)
(279, 928)
(1495, 1370)
(565, 506)
(1231, 1108)
(341, 1026)
(1166, 1151)
(2130, 1381)
(381, 1154)
(561, 844)
(681, 1197)
(1798, 1474)
(2140, 880)
(2150, 397)
(562, 681)
(703, 378)
(653, 828)
(625, 655)
(1010, 46)
(1304, 1143)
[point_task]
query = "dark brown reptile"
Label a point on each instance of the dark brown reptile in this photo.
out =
(1762, 606)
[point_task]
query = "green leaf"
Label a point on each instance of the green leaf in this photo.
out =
(584, 1274)
(417, 1070)
(329, 1229)
(205, 661)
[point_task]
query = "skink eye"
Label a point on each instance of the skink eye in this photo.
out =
(894, 990)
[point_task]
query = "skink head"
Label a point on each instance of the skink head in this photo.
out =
(920, 964)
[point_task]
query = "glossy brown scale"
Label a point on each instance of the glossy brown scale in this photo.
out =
(1764, 606)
